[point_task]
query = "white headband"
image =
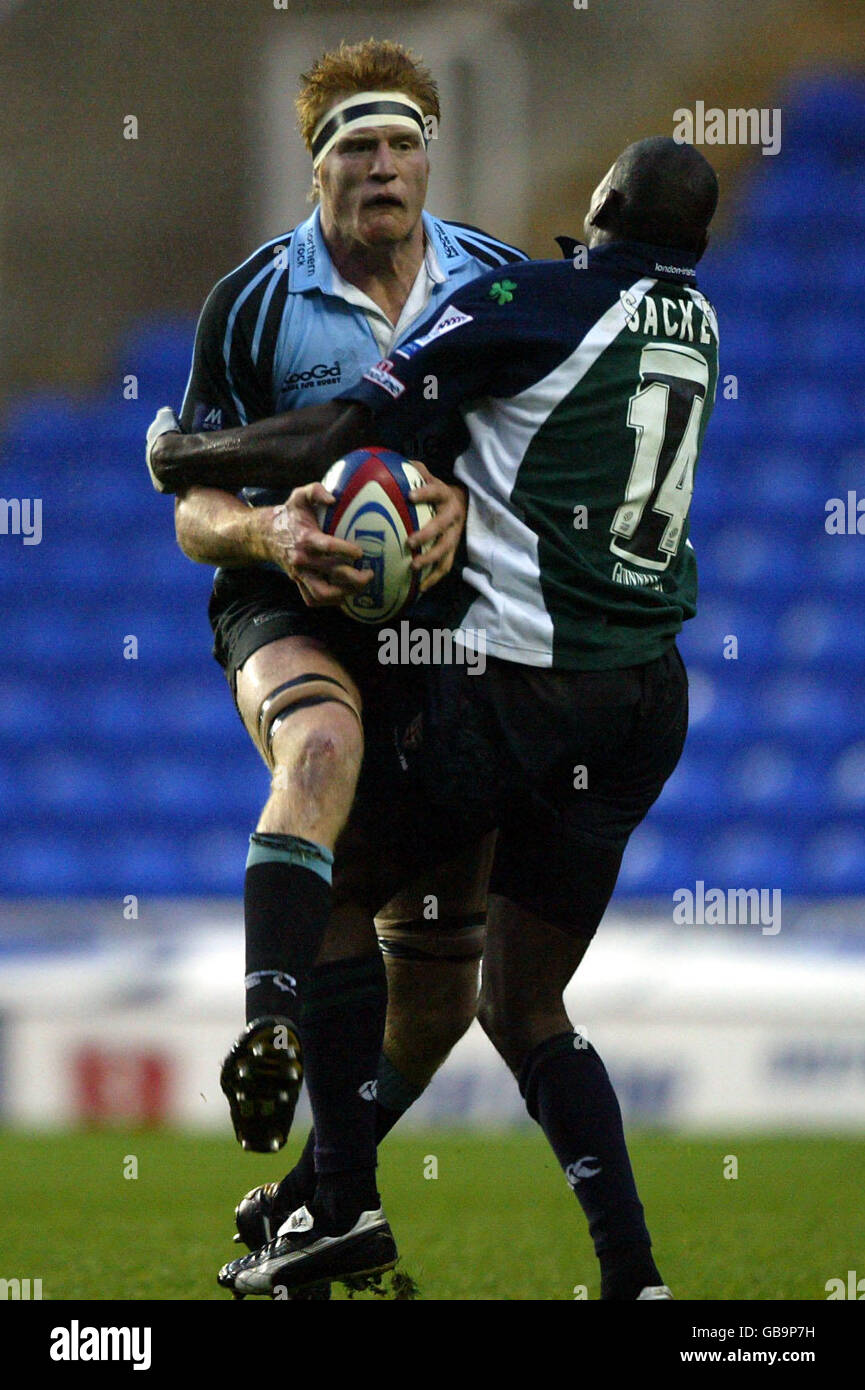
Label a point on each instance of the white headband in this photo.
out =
(363, 109)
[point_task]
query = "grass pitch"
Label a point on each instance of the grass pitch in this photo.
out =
(497, 1222)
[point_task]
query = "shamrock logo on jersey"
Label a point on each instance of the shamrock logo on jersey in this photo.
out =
(502, 291)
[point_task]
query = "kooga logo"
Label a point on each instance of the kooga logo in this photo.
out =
(321, 372)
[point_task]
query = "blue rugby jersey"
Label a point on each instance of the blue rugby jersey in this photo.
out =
(280, 332)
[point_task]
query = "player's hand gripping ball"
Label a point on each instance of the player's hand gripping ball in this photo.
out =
(372, 509)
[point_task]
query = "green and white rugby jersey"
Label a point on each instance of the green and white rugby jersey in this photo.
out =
(584, 393)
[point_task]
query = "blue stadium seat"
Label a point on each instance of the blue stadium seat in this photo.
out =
(784, 199)
(721, 706)
(815, 710)
(656, 862)
(734, 424)
(747, 343)
(767, 273)
(774, 781)
(136, 776)
(845, 270)
(825, 113)
(691, 788)
(782, 483)
(837, 564)
(159, 353)
(201, 707)
(114, 487)
(42, 429)
(834, 859)
(719, 618)
(188, 791)
(83, 863)
(846, 781)
(215, 859)
(806, 416)
(67, 785)
(741, 557)
(121, 426)
(749, 854)
(816, 632)
(826, 343)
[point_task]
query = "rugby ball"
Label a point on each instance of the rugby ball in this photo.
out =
(373, 510)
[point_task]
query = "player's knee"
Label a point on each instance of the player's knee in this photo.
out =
(313, 758)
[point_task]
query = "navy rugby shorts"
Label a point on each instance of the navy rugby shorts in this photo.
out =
(565, 763)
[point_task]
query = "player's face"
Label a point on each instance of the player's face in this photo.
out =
(373, 184)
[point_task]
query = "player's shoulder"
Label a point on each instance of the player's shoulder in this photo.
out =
(481, 246)
(235, 288)
(518, 285)
(531, 301)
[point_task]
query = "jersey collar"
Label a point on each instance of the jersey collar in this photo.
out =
(444, 246)
(663, 261)
(310, 266)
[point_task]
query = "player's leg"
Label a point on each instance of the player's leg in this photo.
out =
(432, 938)
(432, 932)
(435, 926)
(325, 1221)
(527, 965)
(303, 712)
(345, 1147)
(555, 870)
(342, 1029)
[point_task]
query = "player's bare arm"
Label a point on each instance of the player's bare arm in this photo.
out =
(213, 527)
(283, 451)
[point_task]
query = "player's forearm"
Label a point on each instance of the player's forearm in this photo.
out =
(215, 528)
(282, 452)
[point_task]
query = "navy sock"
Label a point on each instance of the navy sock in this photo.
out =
(567, 1090)
(342, 1031)
(286, 907)
(394, 1095)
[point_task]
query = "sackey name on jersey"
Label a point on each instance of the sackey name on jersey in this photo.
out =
(584, 392)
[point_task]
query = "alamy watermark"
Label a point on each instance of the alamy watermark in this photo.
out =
(21, 516)
(20, 1289)
(845, 517)
(736, 126)
(77, 1343)
(717, 907)
(853, 1288)
(438, 646)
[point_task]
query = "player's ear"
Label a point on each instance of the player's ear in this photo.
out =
(608, 215)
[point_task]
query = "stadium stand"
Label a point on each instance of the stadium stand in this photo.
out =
(130, 773)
